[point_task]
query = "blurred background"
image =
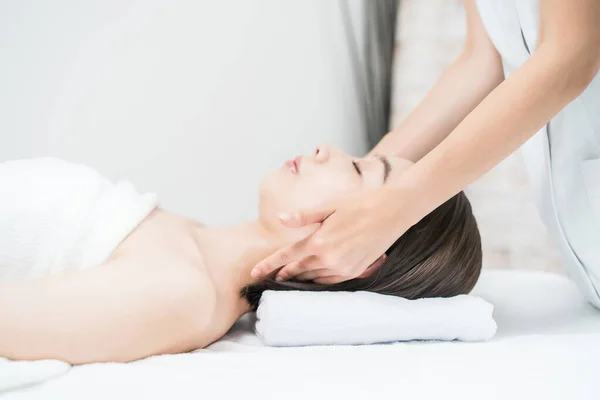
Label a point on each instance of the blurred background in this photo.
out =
(198, 100)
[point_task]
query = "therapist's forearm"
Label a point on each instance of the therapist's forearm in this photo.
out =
(507, 118)
(462, 86)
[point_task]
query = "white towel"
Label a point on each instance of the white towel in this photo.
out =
(293, 318)
(57, 216)
(19, 374)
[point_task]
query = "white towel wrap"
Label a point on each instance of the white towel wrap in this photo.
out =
(58, 216)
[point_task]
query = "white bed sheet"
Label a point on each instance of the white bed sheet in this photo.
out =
(547, 347)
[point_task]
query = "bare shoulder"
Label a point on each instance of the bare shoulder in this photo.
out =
(191, 297)
(166, 256)
(182, 301)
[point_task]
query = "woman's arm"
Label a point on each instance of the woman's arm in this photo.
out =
(114, 312)
(474, 74)
(566, 60)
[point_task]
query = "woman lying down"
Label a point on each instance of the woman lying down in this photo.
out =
(92, 271)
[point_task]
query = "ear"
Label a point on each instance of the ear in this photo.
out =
(378, 263)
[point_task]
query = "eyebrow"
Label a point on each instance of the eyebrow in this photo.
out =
(387, 167)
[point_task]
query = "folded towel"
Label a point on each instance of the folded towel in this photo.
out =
(57, 216)
(293, 318)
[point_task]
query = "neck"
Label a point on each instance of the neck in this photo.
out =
(231, 253)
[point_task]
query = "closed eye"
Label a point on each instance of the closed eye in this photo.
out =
(356, 167)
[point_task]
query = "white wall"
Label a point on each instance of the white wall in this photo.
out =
(194, 100)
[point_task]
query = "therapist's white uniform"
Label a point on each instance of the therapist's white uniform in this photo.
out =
(563, 158)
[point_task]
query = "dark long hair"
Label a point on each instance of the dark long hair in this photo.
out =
(440, 256)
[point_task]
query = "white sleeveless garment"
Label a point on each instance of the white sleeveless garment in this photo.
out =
(563, 158)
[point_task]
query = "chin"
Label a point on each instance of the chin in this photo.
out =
(277, 193)
(271, 187)
(269, 199)
(270, 183)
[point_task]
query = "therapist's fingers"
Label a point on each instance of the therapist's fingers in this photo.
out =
(330, 280)
(314, 274)
(292, 270)
(280, 258)
(305, 217)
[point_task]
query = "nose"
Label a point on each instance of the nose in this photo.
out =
(322, 153)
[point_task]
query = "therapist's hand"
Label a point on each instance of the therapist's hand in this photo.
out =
(353, 236)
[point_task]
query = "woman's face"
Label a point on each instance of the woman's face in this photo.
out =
(325, 175)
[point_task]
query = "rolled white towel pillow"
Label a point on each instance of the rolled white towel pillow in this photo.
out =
(296, 318)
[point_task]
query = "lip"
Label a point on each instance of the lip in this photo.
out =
(291, 166)
(298, 161)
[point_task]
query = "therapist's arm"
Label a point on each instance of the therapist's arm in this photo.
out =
(463, 85)
(566, 60)
(357, 230)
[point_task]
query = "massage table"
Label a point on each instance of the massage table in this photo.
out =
(547, 347)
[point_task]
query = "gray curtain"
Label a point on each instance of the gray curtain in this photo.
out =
(373, 63)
